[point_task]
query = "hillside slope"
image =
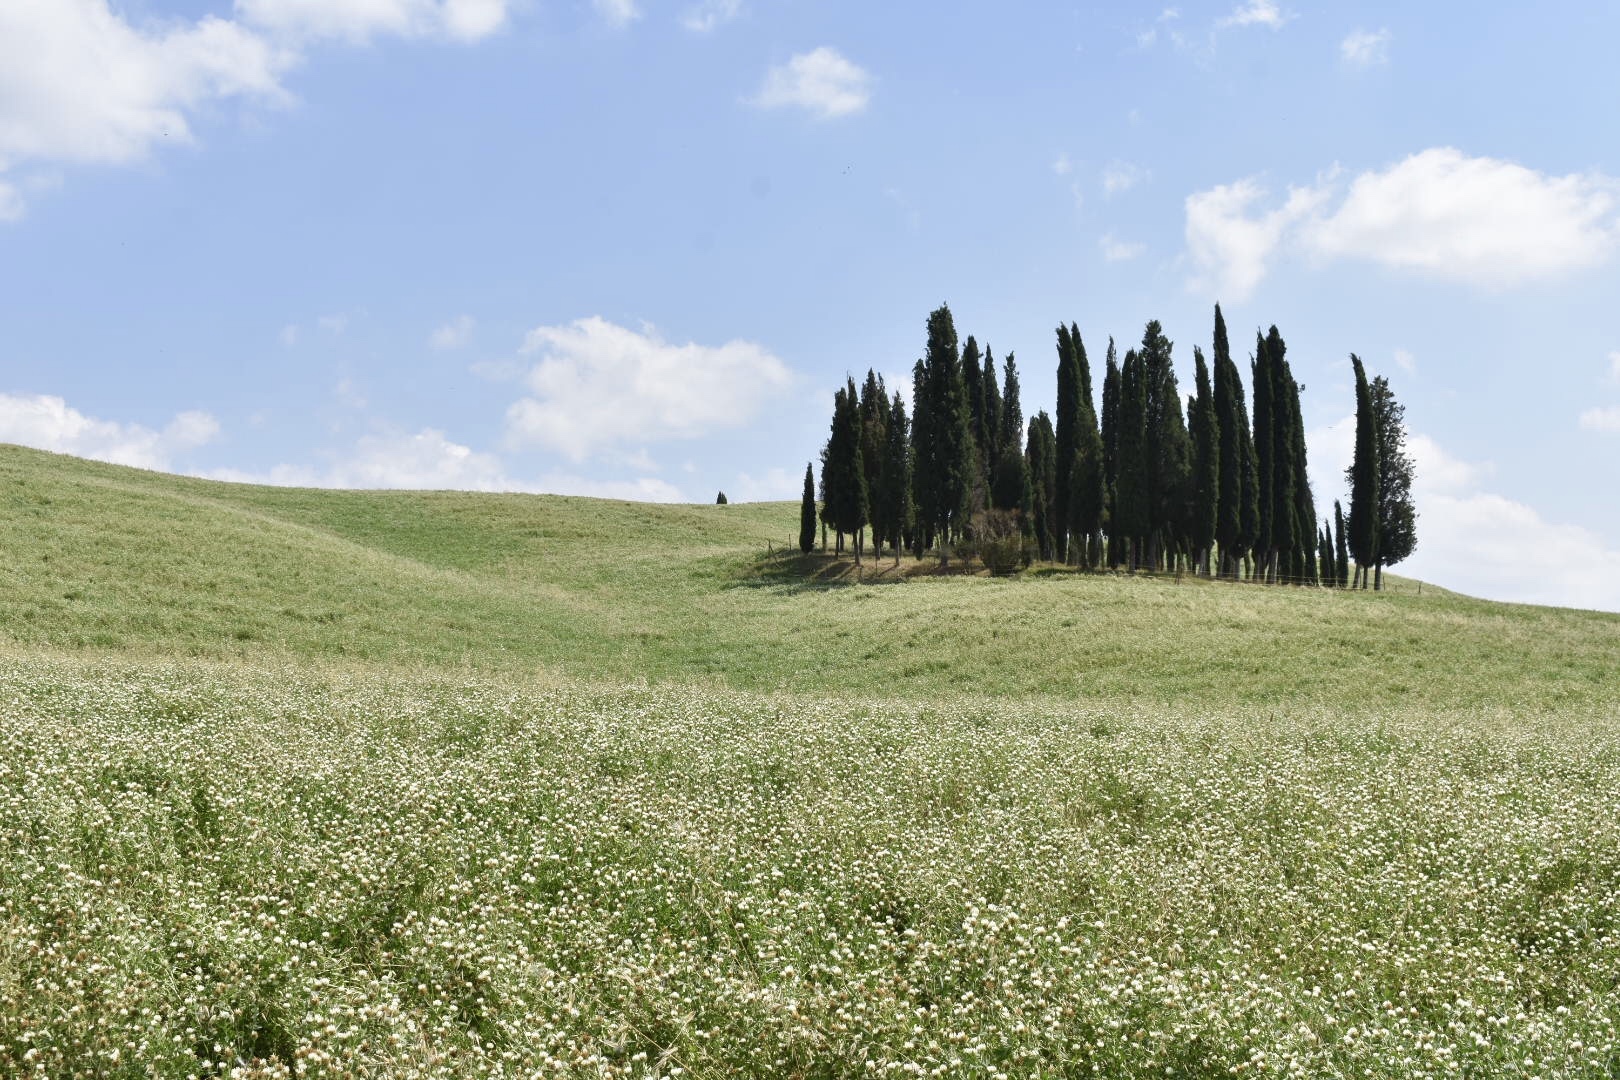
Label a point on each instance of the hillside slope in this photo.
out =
(100, 557)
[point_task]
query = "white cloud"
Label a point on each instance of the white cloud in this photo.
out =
(1256, 13)
(453, 334)
(1614, 366)
(1122, 176)
(1118, 250)
(598, 385)
(358, 21)
(1601, 419)
(1365, 48)
(333, 324)
(79, 84)
(774, 486)
(706, 16)
(1476, 541)
(618, 13)
(1231, 247)
(1480, 221)
(821, 81)
(49, 423)
(1405, 361)
(1062, 166)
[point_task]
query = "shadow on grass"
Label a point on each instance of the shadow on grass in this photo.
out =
(792, 572)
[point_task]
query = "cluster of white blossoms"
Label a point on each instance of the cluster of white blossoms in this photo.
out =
(208, 872)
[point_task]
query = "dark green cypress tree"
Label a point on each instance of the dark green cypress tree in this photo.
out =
(1397, 519)
(1043, 482)
(1264, 456)
(1238, 523)
(1363, 475)
(1284, 407)
(874, 437)
(1088, 480)
(1304, 501)
(1206, 436)
(924, 482)
(1341, 548)
(1110, 444)
(807, 511)
(1324, 556)
(1167, 450)
(973, 385)
(1010, 487)
(1131, 498)
(897, 476)
(989, 437)
(1067, 423)
(848, 496)
(952, 456)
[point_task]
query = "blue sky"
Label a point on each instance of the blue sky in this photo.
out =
(630, 248)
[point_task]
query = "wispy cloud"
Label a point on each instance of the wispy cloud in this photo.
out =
(1118, 250)
(710, 14)
(617, 13)
(821, 81)
(453, 334)
(1121, 176)
(1365, 48)
(1607, 420)
(1256, 13)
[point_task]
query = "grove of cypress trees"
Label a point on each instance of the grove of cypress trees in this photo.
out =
(1363, 475)
(807, 512)
(1206, 438)
(844, 470)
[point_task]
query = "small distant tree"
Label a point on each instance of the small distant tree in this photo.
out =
(1341, 548)
(720, 500)
(807, 511)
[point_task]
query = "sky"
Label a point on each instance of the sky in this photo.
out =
(630, 248)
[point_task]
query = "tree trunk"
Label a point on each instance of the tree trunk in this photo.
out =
(1378, 577)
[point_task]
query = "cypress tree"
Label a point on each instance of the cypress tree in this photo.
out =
(846, 486)
(1238, 508)
(720, 499)
(1341, 549)
(1067, 433)
(989, 437)
(807, 511)
(1167, 452)
(924, 484)
(1010, 486)
(1324, 556)
(1284, 408)
(1304, 501)
(1363, 475)
(1264, 455)
(1397, 520)
(1088, 481)
(1043, 482)
(897, 509)
(874, 424)
(1206, 436)
(1110, 445)
(950, 458)
(973, 385)
(1131, 512)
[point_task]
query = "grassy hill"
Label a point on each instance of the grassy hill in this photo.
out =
(333, 784)
(106, 558)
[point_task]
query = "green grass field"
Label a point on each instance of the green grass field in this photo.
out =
(326, 783)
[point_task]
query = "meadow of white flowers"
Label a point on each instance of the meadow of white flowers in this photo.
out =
(205, 872)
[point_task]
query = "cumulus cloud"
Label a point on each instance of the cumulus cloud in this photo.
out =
(358, 21)
(1118, 250)
(597, 385)
(1607, 420)
(1478, 541)
(706, 16)
(1476, 220)
(1232, 246)
(1256, 13)
(46, 422)
(820, 81)
(1365, 48)
(80, 84)
(453, 334)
